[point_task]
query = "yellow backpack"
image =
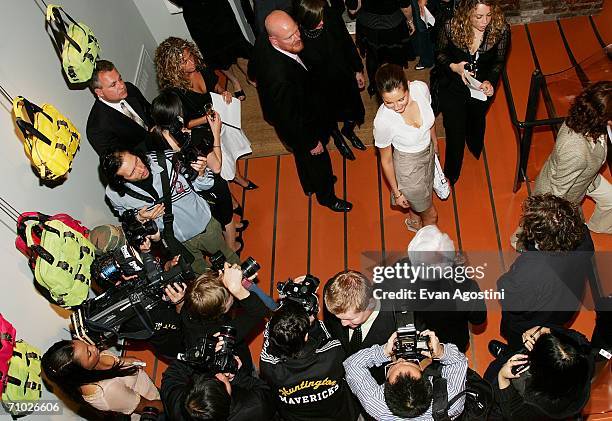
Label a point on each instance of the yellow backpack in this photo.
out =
(51, 140)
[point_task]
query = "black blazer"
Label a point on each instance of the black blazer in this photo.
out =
(109, 129)
(290, 100)
(379, 333)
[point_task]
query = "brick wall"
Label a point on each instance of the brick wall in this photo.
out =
(524, 11)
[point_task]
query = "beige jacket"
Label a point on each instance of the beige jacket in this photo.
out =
(572, 167)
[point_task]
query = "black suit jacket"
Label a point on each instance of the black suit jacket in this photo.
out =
(290, 100)
(109, 129)
(379, 333)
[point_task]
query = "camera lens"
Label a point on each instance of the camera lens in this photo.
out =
(249, 267)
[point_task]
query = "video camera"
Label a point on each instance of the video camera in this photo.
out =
(409, 343)
(198, 142)
(249, 267)
(135, 231)
(204, 356)
(99, 321)
(303, 293)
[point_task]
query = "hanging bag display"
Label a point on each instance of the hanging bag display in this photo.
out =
(20, 242)
(80, 49)
(7, 343)
(23, 381)
(60, 258)
(51, 140)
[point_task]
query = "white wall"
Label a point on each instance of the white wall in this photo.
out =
(30, 67)
(160, 21)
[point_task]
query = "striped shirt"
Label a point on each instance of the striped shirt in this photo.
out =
(371, 394)
(191, 212)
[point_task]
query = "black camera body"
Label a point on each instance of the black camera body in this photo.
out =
(249, 266)
(409, 344)
(99, 320)
(135, 231)
(303, 293)
(198, 143)
(205, 358)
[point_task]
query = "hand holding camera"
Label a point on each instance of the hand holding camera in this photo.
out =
(436, 349)
(232, 279)
(512, 370)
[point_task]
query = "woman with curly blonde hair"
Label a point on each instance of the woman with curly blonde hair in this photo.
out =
(180, 67)
(474, 41)
(572, 169)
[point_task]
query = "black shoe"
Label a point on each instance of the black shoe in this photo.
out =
(497, 348)
(245, 225)
(241, 242)
(371, 90)
(239, 211)
(251, 186)
(352, 137)
(341, 145)
(339, 205)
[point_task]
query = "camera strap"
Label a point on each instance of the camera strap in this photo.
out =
(175, 246)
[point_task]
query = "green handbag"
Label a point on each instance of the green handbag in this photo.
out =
(80, 50)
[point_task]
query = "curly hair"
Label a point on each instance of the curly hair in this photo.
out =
(168, 62)
(551, 222)
(461, 26)
(591, 110)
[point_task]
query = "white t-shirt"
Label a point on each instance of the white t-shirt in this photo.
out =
(391, 129)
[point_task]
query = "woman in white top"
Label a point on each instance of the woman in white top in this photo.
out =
(404, 133)
(105, 381)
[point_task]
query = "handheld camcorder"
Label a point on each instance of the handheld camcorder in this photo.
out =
(99, 321)
(409, 343)
(303, 293)
(193, 145)
(249, 267)
(135, 231)
(204, 357)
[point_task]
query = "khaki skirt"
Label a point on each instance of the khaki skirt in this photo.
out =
(414, 173)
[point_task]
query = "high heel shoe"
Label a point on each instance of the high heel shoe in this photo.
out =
(371, 91)
(250, 186)
(341, 145)
(239, 211)
(240, 241)
(245, 225)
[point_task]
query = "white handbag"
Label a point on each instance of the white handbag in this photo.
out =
(440, 184)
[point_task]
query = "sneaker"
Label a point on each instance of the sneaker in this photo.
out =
(419, 67)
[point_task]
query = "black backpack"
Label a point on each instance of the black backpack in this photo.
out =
(478, 396)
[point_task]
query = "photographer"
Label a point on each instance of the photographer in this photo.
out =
(208, 302)
(408, 391)
(137, 182)
(130, 267)
(105, 381)
(167, 113)
(551, 379)
(191, 394)
(303, 365)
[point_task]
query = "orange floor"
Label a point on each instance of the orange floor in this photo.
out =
(290, 236)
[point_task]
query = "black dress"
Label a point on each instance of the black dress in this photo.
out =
(382, 33)
(332, 57)
(464, 116)
(213, 26)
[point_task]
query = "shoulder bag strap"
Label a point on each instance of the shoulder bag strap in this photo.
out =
(172, 243)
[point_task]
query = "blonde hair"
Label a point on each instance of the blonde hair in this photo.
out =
(348, 291)
(207, 297)
(462, 34)
(168, 62)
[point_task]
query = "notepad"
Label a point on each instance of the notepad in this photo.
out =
(474, 86)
